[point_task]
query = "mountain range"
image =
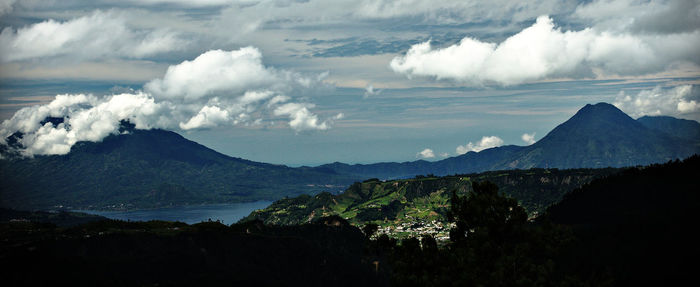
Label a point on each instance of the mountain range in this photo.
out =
(597, 136)
(154, 168)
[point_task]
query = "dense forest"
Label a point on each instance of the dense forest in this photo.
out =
(630, 228)
(426, 198)
(118, 253)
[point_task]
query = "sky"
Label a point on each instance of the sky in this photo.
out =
(307, 82)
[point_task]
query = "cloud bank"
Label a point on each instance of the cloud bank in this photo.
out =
(486, 142)
(84, 118)
(543, 51)
(651, 16)
(99, 35)
(6, 6)
(218, 88)
(681, 101)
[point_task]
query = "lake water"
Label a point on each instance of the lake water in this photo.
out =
(227, 213)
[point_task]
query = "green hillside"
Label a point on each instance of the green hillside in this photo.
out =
(423, 202)
(632, 227)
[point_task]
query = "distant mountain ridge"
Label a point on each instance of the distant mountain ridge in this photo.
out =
(151, 168)
(466, 163)
(597, 136)
(680, 128)
(601, 135)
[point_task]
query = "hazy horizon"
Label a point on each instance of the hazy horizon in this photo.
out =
(313, 82)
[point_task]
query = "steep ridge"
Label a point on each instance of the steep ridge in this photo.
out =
(151, 168)
(597, 136)
(636, 224)
(426, 199)
(601, 135)
(680, 128)
(465, 163)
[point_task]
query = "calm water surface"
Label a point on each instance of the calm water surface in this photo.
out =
(228, 213)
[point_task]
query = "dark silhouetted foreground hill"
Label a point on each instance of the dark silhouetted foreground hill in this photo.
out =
(638, 225)
(156, 253)
(633, 228)
(58, 218)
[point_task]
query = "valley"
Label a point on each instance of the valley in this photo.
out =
(405, 143)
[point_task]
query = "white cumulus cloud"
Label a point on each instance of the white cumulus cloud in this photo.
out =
(680, 101)
(486, 142)
(543, 51)
(238, 87)
(528, 138)
(218, 88)
(208, 116)
(99, 35)
(216, 72)
(426, 153)
(301, 119)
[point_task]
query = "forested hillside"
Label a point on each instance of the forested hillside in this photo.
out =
(150, 168)
(630, 228)
(425, 199)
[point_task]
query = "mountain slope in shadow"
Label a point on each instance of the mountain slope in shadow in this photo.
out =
(597, 136)
(151, 168)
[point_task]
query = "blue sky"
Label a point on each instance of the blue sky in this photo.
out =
(312, 82)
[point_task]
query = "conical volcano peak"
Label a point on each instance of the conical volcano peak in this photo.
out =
(600, 106)
(601, 122)
(600, 111)
(601, 135)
